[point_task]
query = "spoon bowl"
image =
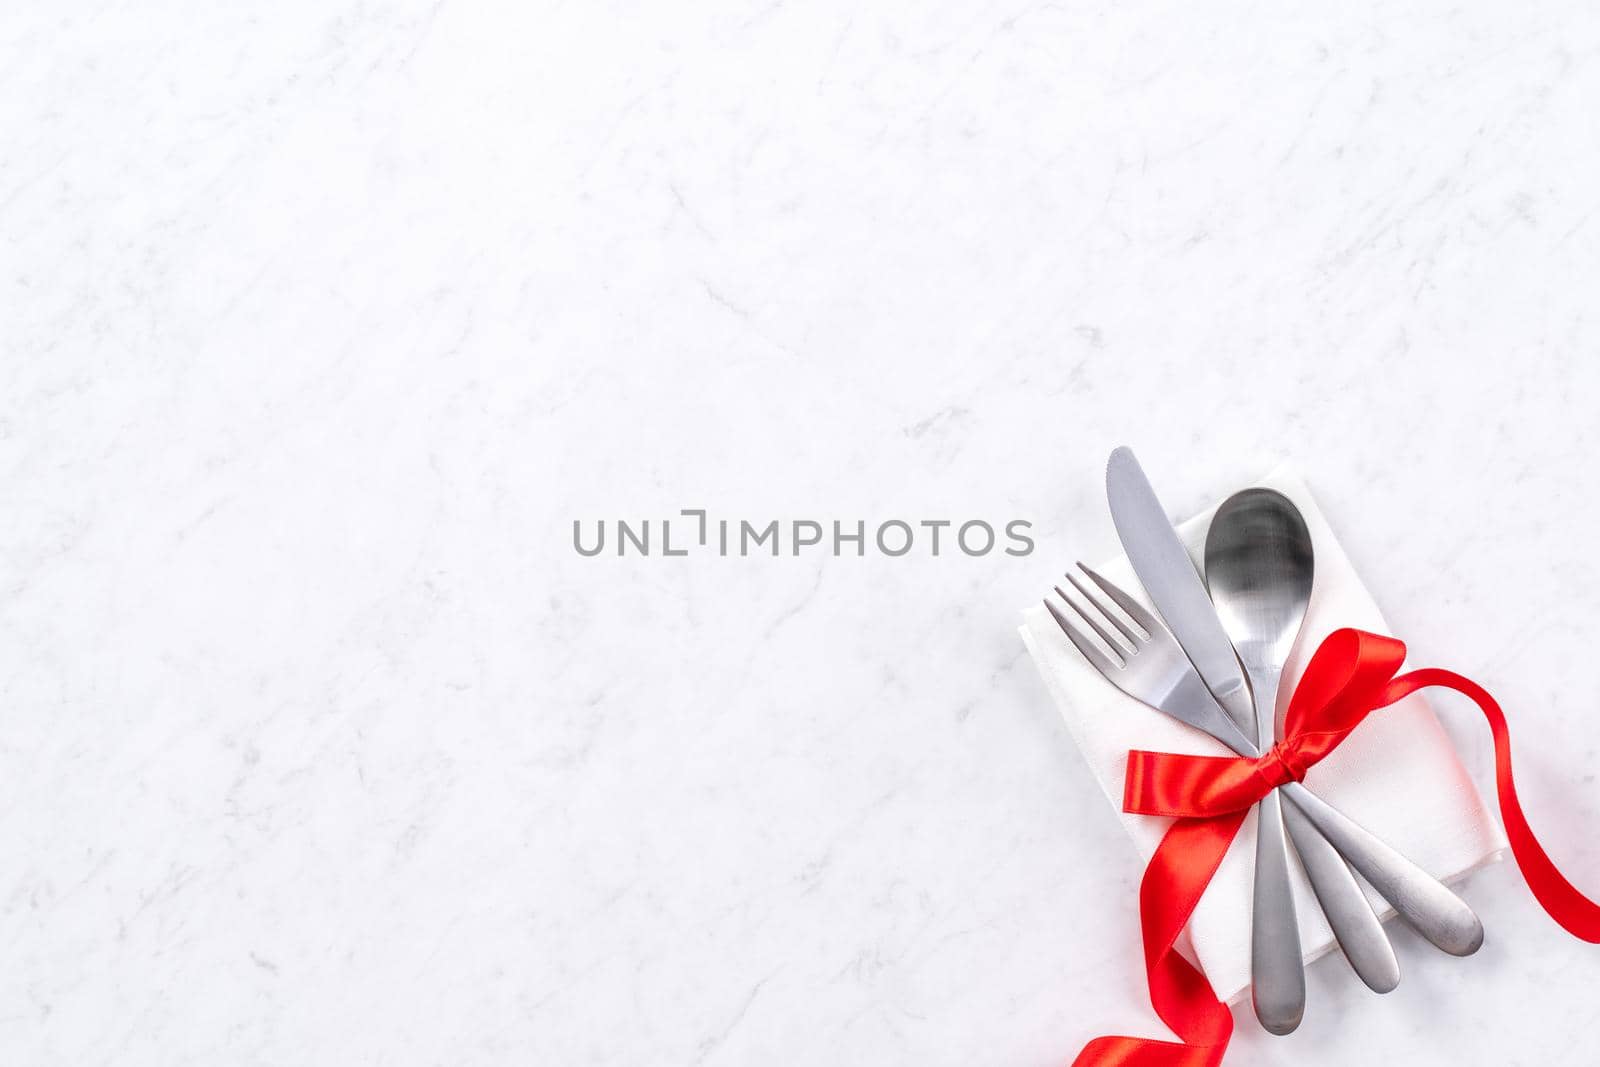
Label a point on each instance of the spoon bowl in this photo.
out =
(1259, 567)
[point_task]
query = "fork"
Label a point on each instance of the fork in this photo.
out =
(1152, 668)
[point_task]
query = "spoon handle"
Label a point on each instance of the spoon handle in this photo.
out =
(1277, 974)
(1421, 899)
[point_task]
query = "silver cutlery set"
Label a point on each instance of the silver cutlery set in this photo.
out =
(1214, 660)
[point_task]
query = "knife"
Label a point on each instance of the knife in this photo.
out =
(1169, 576)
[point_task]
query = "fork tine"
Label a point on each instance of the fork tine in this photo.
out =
(1110, 616)
(1112, 643)
(1097, 659)
(1147, 622)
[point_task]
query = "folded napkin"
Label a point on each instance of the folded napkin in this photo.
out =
(1397, 775)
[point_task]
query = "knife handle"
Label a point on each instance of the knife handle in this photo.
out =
(1421, 899)
(1277, 973)
(1349, 911)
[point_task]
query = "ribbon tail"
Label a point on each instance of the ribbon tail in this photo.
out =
(1576, 913)
(1144, 1052)
(1173, 883)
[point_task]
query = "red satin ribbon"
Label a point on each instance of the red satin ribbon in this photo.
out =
(1351, 675)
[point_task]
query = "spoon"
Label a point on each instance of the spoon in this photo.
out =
(1259, 566)
(1260, 588)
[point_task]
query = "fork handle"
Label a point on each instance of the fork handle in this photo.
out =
(1421, 899)
(1349, 911)
(1277, 973)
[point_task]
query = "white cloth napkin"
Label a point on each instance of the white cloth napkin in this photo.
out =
(1396, 775)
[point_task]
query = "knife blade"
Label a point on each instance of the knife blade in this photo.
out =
(1169, 576)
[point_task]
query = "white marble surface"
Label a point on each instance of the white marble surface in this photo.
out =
(321, 745)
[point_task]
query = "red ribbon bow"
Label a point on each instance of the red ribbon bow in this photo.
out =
(1351, 675)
